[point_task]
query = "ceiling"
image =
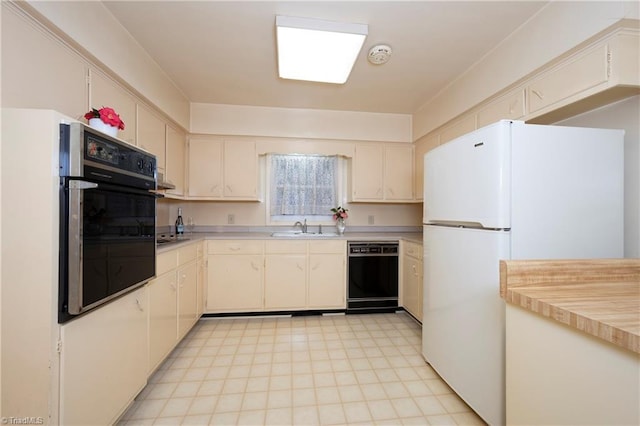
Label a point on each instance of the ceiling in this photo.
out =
(224, 52)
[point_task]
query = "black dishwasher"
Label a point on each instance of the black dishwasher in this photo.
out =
(373, 276)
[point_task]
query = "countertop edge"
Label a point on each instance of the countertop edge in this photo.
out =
(553, 286)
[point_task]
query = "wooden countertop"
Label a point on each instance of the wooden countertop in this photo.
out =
(600, 297)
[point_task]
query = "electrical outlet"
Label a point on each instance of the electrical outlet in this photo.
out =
(231, 219)
(371, 219)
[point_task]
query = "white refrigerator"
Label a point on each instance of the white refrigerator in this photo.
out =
(507, 191)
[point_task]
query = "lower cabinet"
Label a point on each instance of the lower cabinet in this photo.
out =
(163, 317)
(275, 275)
(103, 361)
(327, 284)
(235, 276)
(412, 278)
(187, 297)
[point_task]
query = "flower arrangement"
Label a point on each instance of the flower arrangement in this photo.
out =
(340, 213)
(107, 115)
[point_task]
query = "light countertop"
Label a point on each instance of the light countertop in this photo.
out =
(600, 297)
(415, 237)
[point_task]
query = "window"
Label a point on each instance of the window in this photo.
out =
(303, 186)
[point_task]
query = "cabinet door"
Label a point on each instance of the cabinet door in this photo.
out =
(163, 321)
(240, 169)
(106, 92)
(327, 281)
(151, 135)
(285, 281)
(205, 168)
(234, 283)
(367, 172)
(398, 172)
(421, 147)
(103, 363)
(175, 160)
(202, 280)
(412, 286)
(38, 71)
(187, 277)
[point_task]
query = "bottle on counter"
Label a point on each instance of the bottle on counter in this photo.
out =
(179, 223)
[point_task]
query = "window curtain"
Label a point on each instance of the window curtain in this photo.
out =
(303, 185)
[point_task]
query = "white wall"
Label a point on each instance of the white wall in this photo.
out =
(299, 123)
(557, 28)
(625, 115)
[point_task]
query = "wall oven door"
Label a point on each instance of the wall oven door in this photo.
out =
(107, 231)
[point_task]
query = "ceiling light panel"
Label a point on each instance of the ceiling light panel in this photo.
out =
(316, 50)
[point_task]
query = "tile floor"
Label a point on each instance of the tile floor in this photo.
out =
(308, 370)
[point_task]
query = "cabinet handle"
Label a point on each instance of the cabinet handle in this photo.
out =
(379, 191)
(213, 188)
(173, 286)
(255, 268)
(234, 248)
(391, 191)
(229, 188)
(300, 267)
(313, 268)
(415, 271)
(537, 93)
(139, 305)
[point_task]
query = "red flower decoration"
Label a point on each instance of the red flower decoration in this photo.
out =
(107, 115)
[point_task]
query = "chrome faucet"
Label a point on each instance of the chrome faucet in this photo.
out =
(303, 226)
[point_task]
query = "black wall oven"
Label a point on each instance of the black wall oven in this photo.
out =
(107, 219)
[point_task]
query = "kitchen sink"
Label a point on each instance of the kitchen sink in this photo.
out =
(299, 234)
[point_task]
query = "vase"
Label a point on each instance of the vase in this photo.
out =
(98, 124)
(340, 225)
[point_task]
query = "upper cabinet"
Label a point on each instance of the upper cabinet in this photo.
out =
(38, 71)
(571, 77)
(152, 135)
(104, 92)
(382, 173)
(175, 161)
(223, 168)
(422, 146)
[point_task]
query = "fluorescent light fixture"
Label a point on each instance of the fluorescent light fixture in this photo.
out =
(316, 50)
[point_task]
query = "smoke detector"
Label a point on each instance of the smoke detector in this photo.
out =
(379, 54)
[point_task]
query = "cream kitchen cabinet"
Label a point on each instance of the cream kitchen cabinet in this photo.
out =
(235, 276)
(173, 301)
(223, 169)
(38, 71)
(584, 71)
(152, 135)
(412, 273)
(175, 160)
(201, 262)
(382, 173)
(103, 361)
(285, 282)
(205, 168)
(105, 92)
(507, 107)
(327, 283)
(240, 169)
(187, 279)
(421, 147)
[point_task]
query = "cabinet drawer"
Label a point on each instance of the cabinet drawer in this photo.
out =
(187, 254)
(166, 261)
(412, 249)
(571, 78)
(295, 247)
(338, 247)
(236, 247)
